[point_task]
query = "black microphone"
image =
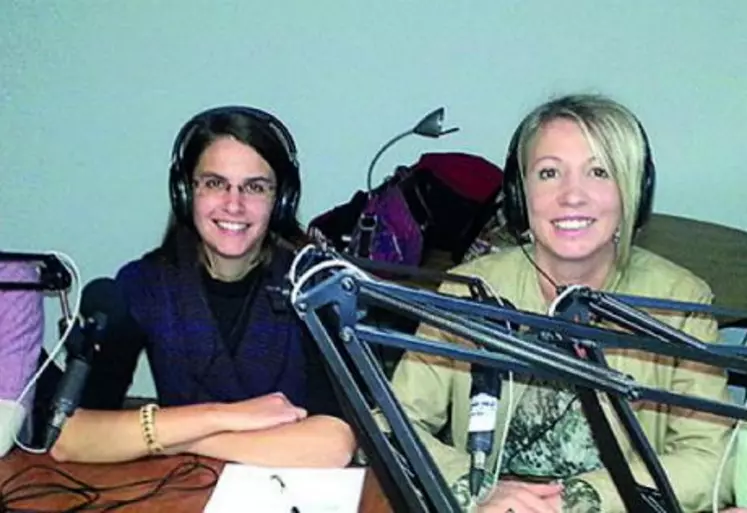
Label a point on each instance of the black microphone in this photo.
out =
(102, 306)
(483, 410)
(484, 395)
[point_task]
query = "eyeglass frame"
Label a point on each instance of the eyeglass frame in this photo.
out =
(224, 186)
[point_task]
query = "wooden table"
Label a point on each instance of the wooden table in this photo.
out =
(170, 499)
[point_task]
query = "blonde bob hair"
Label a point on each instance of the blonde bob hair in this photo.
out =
(616, 139)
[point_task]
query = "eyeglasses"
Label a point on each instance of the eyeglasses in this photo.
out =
(252, 188)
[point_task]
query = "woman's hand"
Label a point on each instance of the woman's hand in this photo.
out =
(259, 413)
(519, 497)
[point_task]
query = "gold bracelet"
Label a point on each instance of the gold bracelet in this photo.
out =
(147, 424)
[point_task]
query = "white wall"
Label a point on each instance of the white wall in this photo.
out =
(92, 93)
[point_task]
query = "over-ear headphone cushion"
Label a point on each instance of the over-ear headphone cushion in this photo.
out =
(514, 208)
(648, 185)
(181, 196)
(286, 202)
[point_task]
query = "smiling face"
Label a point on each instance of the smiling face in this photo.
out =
(233, 200)
(573, 202)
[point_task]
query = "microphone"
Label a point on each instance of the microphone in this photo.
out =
(102, 306)
(484, 395)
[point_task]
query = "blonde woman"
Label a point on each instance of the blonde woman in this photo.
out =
(579, 183)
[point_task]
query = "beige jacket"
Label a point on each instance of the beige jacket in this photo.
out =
(689, 444)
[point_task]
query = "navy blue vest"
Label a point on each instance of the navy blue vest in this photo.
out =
(190, 362)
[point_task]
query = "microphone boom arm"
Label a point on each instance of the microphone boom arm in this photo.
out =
(330, 309)
(53, 275)
(411, 481)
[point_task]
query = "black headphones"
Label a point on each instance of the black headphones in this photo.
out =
(514, 202)
(283, 218)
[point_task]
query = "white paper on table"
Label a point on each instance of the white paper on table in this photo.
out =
(246, 488)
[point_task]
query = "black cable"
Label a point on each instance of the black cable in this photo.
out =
(40, 490)
(173, 474)
(91, 495)
(539, 269)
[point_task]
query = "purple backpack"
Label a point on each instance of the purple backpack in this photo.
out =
(439, 203)
(386, 230)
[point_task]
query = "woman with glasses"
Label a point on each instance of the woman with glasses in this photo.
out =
(236, 373)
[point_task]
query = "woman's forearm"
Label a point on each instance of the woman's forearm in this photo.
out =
(318, 441)
(94, 436)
